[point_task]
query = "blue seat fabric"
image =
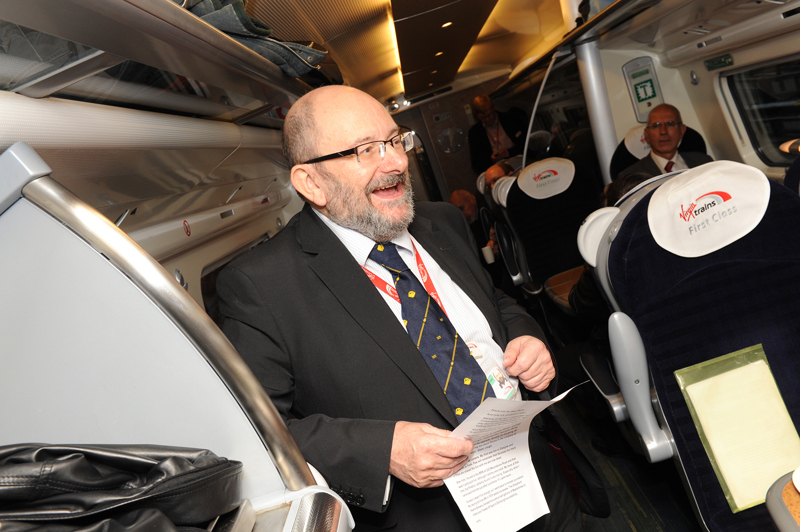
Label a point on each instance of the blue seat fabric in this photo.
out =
(690, 310)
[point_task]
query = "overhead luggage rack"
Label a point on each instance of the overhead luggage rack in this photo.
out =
(161, 34)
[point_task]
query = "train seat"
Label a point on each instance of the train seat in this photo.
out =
(546, 206)
(542, 210)
(690, 285)
(634, 147)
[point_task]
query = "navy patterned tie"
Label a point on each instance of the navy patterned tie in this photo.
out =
(448, 356)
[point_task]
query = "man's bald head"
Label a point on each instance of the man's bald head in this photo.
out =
(304, 128)
(482, 103)
(466, 203)
(495, 172)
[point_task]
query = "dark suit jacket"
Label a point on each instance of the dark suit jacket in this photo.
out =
(514, 123)
(338, 365)
(648, 165)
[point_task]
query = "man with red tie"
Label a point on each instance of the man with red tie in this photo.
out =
(664, 132)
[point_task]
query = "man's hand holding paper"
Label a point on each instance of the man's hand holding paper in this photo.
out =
(423, 456)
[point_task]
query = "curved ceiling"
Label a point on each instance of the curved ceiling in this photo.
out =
(401, 49)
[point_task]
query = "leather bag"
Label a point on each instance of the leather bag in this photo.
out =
(72, 485)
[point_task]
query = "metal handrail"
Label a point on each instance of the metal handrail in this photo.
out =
(185, 313)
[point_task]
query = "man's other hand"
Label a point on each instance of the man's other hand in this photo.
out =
(528, 359)
(423, 456)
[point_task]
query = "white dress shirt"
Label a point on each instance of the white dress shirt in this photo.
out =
(661, 162)
(465, 316)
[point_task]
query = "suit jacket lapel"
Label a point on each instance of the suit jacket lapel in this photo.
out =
(340, 273)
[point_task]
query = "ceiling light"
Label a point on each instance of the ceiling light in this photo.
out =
(430, 84)
(406, 103)
(439, 53)
(447, 24)
(434, 72)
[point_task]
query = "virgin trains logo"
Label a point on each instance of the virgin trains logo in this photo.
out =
(544, 175)
(702, 204)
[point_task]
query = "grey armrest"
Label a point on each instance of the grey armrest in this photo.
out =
(633, 376)
(784, 521)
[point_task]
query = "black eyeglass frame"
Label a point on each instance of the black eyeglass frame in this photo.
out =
(354, 151)
(671, 124)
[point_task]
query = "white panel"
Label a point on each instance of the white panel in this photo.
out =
(87, 358)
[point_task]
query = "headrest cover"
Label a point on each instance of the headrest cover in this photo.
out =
(539, 140)
(481, 182)
(501, 188)
(706, 208)
(636, 143)
(547, 178)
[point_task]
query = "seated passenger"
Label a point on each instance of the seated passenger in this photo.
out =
(468, 205)
(664, 132)
(493, 173)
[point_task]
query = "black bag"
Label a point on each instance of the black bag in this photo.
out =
(71, 487)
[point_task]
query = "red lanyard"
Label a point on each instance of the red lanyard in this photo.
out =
(389, 290)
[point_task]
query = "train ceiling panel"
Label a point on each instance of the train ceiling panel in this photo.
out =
(434, 40)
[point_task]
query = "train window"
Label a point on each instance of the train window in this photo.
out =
(768, 99)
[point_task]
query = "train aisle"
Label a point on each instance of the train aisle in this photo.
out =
(644, 497)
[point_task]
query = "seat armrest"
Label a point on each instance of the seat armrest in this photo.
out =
(633, 377)
(532, 288)
(598, 369)
(781, 516)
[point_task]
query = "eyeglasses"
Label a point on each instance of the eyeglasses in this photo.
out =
(372, 152)
(657, 125)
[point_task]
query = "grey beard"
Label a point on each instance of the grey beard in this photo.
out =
(349, 210)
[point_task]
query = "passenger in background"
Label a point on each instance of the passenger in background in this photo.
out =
(490, 177)
(468, 205)
(498, 136)
(314, 313)
(664, 132)
(493, 173)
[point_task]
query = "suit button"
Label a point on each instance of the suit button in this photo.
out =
(350, 498)
(360, 500)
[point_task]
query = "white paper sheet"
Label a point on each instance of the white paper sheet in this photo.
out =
(498, 490)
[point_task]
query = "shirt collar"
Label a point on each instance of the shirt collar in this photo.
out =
(359, 245)
(662, 162)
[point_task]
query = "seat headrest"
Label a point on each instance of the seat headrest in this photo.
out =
(547, 178)
(514, 162)
(539, 140)
(636, 143)
(592, 231)
(708, 207)
(501, 188)
(481, 183)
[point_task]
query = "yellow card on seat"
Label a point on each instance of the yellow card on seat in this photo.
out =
(742, 422)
